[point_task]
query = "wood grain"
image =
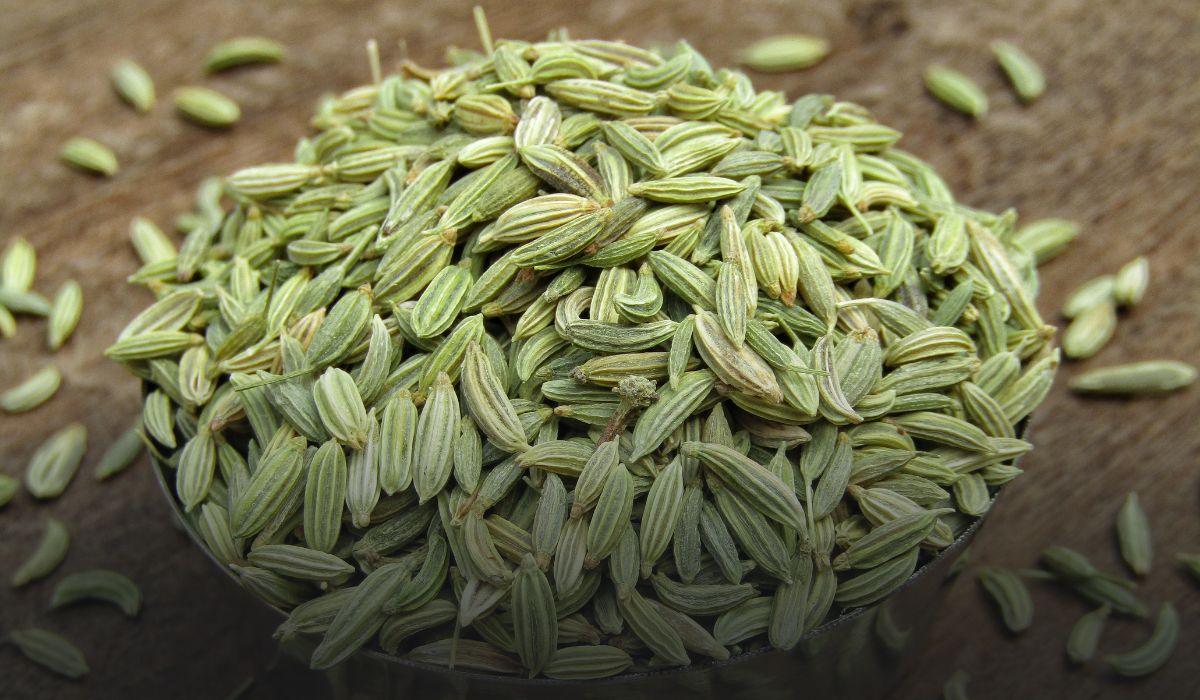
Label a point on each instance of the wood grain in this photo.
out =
(1114, 144)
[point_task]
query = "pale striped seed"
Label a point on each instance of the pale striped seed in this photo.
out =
(821, 596)
(359, 618)
(593, 476)
(569, 555)
(752, 531)
(398, 428)
(652, 630)
(1103, 591)
(1095, 291)
(468, 654)
(400, 627)
(362, 475)
(1085, 635)
(1090, 330)
(789, 604)
(1010, 595)
(765, 491)
(834, 477)
(1154, 653)
(324, 492)
(90, 156)
(539, 123)
(18, 266)
(1073, 566)
(686, 280)
(277, 475)
(549, 520)
(720, 545)
(747, 620)
(133, 85)
(433, 451)
(535, 627)
(101, 585)
(786, 52)
(1149, 377)
(564, 457)
(16, 302)
(50, 651)
(681, 350)
(673, 407)
(55, 462)
(601, 96)
(1046, 238)
(341, 407)
(1022, 71)
(206, 107)
(877, 583)
(829, 385)
(159, 418)
(33, 392)
(741, 368)
(945, 430)
(956, 91)
(663, 503)
(1130, 282)
(243, 51)
(50, 551)
(686, 536)
(194, 473)
(610, 517)
(468, 455)
(300, 563)
(1133, 535)
(889, 540)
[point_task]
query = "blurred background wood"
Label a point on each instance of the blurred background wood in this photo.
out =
(1114, 144)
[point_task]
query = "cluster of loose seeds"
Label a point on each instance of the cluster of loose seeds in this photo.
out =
(595, 354)
(55, 462)
(1108, 593)
(198, 104)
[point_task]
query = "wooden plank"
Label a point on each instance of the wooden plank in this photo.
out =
(1112, 145)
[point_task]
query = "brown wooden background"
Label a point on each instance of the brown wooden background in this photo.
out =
(1114, 144)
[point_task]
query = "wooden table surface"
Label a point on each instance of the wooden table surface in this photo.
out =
(1114, 145)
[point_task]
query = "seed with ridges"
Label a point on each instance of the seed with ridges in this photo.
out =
(1022, 71)
(1154, 652)
(32, 392)
(207, 107)
(243, 51)
(1085, 635)
(785, 53)
(1149, 377)
(98, 584)
(50, 651)
(956, 90)
(1010, 595)
(91, 156)
(50, 552)
(53, 465)
(1133, 534)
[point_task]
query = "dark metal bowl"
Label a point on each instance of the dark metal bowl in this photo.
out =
(857, 655)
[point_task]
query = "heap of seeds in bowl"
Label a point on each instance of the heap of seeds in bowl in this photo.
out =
(577, 358)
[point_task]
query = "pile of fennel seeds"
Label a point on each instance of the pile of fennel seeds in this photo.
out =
(576, 358)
